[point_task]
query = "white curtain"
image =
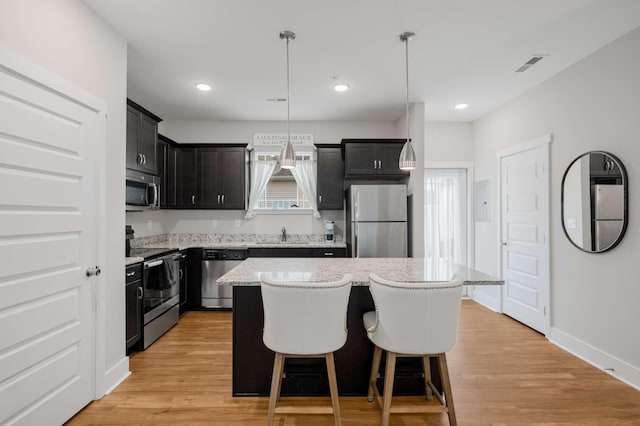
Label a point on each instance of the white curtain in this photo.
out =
(305, 176)
(261, 172)
(445, 215)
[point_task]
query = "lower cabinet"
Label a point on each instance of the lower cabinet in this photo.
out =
(133, 297)
(297, 252)
(184, 280)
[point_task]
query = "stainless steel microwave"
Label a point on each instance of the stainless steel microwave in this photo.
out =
(142, 191)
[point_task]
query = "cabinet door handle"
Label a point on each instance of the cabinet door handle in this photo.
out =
(374, 164)
(140, 293)
(139, 159)
(193, 200)
(327, 253)
(222, 198)
(320, 198)
(144, 159)
(379, 164)
(218, 198)
(180, 274)
(130, 274)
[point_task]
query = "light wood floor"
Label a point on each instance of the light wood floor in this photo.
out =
(502, 373)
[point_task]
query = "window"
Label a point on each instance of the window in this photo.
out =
(282, 191)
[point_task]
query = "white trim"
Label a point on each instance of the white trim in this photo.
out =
(117, 374)
(487, 301)
(616, 367)
(543, 141)
(525, 146)
(471, 230)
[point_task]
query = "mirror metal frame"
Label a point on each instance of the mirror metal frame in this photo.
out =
(625, 182)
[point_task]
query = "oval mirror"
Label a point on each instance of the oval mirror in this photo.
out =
(594, 202)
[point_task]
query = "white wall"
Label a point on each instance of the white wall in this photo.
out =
(448, 141)
(200, 221)
(593, 105)
(65, 37)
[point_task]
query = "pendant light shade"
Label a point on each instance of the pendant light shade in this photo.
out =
(288, 154)
(407, 159)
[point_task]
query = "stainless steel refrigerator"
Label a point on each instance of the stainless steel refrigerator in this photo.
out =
(608, 217)
(376, 222)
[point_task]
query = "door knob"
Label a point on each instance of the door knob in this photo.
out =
(93, 271)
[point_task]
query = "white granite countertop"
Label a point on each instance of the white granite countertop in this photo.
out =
(182, 245)
(131, 260)
(321, 269)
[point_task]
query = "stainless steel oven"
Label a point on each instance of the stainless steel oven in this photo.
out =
(161, 294)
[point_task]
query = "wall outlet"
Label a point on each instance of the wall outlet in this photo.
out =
(149, 224)
(214, 223)
(238, 223)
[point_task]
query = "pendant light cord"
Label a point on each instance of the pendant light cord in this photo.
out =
(288, 101)
(406, 41)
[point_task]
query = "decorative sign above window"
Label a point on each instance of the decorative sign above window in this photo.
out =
(277, 140)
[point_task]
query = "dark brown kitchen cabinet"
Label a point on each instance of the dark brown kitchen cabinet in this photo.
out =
(297, 252)
(142, 139)
(184, 280)
(220, 177)
(186, 178)
(330, 177)
(133, 305)
(377, 158)
(167, 168)
(602, 165)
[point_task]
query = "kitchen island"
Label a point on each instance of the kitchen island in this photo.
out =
(253, 362)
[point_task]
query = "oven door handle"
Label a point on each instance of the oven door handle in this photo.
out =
(154, 263)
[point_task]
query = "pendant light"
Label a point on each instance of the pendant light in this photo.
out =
(407, 159)
(288, 154)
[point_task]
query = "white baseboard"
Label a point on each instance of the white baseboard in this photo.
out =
(619, 369)
(116, 375)
(485, 300)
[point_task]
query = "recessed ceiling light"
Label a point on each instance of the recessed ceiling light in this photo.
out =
(203, 86)
(341, 87)
(461, 106)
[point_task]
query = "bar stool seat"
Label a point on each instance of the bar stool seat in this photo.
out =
(413, 319)
(304, 319)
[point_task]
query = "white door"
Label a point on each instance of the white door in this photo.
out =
(47, 242)
(524, 224)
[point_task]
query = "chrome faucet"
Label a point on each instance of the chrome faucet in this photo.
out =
(283, 237)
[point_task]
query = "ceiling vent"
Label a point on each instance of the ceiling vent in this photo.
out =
(531, 62)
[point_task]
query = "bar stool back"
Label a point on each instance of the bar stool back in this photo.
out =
(303, 319)
(413, 319)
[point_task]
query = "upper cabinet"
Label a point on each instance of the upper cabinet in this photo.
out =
(221, 177)
(602, 165)
(330, 177)
(142, 139)
(376, 158)
(202, 176)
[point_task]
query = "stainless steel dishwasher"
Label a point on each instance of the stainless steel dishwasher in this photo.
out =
(216, 263)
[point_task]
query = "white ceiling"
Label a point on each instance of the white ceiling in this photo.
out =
(464, 51)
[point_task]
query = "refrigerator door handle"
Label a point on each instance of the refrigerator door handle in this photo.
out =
(355, 241)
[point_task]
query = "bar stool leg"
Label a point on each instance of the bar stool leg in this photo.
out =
(446, 387)
(389, 373)
(426, 364)
(375, 368)
(333, 388)
(275, 386)
(280, 374)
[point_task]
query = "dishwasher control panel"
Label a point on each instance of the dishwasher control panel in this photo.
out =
(224, 254)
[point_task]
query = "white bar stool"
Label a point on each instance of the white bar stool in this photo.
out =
(304, 319)
(413, 319)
